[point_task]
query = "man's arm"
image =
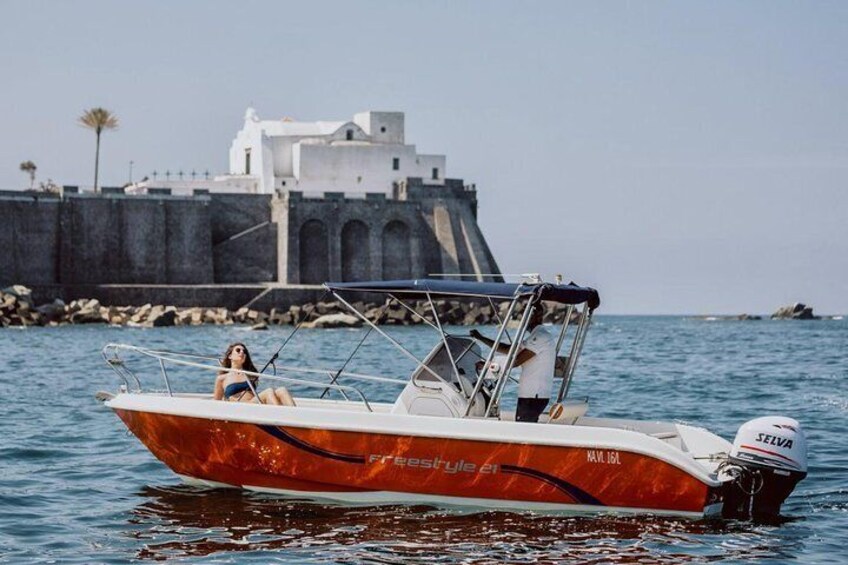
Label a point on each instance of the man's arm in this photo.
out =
(523, 356)
(490, 342)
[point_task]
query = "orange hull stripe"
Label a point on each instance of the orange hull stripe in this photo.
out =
(335, 461)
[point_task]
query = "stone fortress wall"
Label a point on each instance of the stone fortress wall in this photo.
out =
(221, 249)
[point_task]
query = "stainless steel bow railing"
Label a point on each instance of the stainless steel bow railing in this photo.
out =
(112, 355)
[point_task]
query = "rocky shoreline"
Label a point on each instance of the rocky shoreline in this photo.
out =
(17, 309)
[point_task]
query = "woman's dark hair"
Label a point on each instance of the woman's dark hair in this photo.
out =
(248, 362)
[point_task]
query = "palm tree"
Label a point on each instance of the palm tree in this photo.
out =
(29, 168)
(98, 119)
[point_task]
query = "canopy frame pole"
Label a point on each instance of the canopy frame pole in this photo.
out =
(444, 339)
(481, 379)
(576, 347)
(498, 318)
(276, 355)
(416, 314)
(565, 324)
(510, 358)
(404, 350)
(335, 377)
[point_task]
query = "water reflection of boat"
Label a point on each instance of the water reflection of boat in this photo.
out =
(184, 522)
(447, 440)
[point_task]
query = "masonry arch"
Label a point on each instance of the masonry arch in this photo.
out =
(356, 251)
(397, 252)
(314, 259)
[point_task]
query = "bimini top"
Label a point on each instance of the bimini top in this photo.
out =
(562, 293)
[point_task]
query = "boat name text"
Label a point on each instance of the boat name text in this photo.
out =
(439, 464)
(601, 456)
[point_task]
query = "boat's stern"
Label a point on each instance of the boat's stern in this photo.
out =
(767, 461)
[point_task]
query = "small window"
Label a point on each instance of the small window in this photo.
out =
(435, 173)
(383, 129)
(283, 183)
(396, 164)
(247, 161)
(349, 135)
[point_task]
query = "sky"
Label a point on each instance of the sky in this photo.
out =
(680, 157)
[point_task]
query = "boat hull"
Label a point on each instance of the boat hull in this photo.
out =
(369, 467)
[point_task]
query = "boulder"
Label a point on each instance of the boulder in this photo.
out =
(335, 321)
(8, 302)
(297, 313)
(423, 309)
(259, 326)
(163, 319)
(397, 313)
(279, 318)
(224, 316)
(797, 311)
(373, 313)
(53, 311)
(88, 316)
(19, 291)
(746, 317)
(155, 312)
(327, 308)
(140, 314)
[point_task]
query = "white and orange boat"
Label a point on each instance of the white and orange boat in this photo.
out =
(445, 440)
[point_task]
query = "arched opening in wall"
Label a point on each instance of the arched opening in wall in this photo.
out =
(314, 253)
(397, 256)
(356, 252)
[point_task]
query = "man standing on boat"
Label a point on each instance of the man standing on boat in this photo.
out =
(537, 358)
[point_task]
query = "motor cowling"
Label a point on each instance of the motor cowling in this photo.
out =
(767, 460)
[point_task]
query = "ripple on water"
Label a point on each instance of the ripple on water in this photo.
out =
(75, 487)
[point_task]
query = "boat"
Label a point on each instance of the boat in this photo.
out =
(447, 440)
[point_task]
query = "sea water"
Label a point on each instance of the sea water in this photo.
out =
(76, 488)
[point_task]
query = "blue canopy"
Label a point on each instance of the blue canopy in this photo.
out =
(562, 293)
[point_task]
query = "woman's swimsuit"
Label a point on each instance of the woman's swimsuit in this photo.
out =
(235, 388)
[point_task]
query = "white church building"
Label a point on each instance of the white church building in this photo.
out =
(366, 154)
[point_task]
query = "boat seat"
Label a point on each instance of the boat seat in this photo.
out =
(436, 399)
(568, 412)
(428, 395)
(671, 438)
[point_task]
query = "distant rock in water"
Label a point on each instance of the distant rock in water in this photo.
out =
(743, 317)
(797, 311)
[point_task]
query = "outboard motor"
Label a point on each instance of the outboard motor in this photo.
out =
(768, 458)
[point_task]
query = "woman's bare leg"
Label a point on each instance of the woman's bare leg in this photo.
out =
(267, 396)
(284, 396)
